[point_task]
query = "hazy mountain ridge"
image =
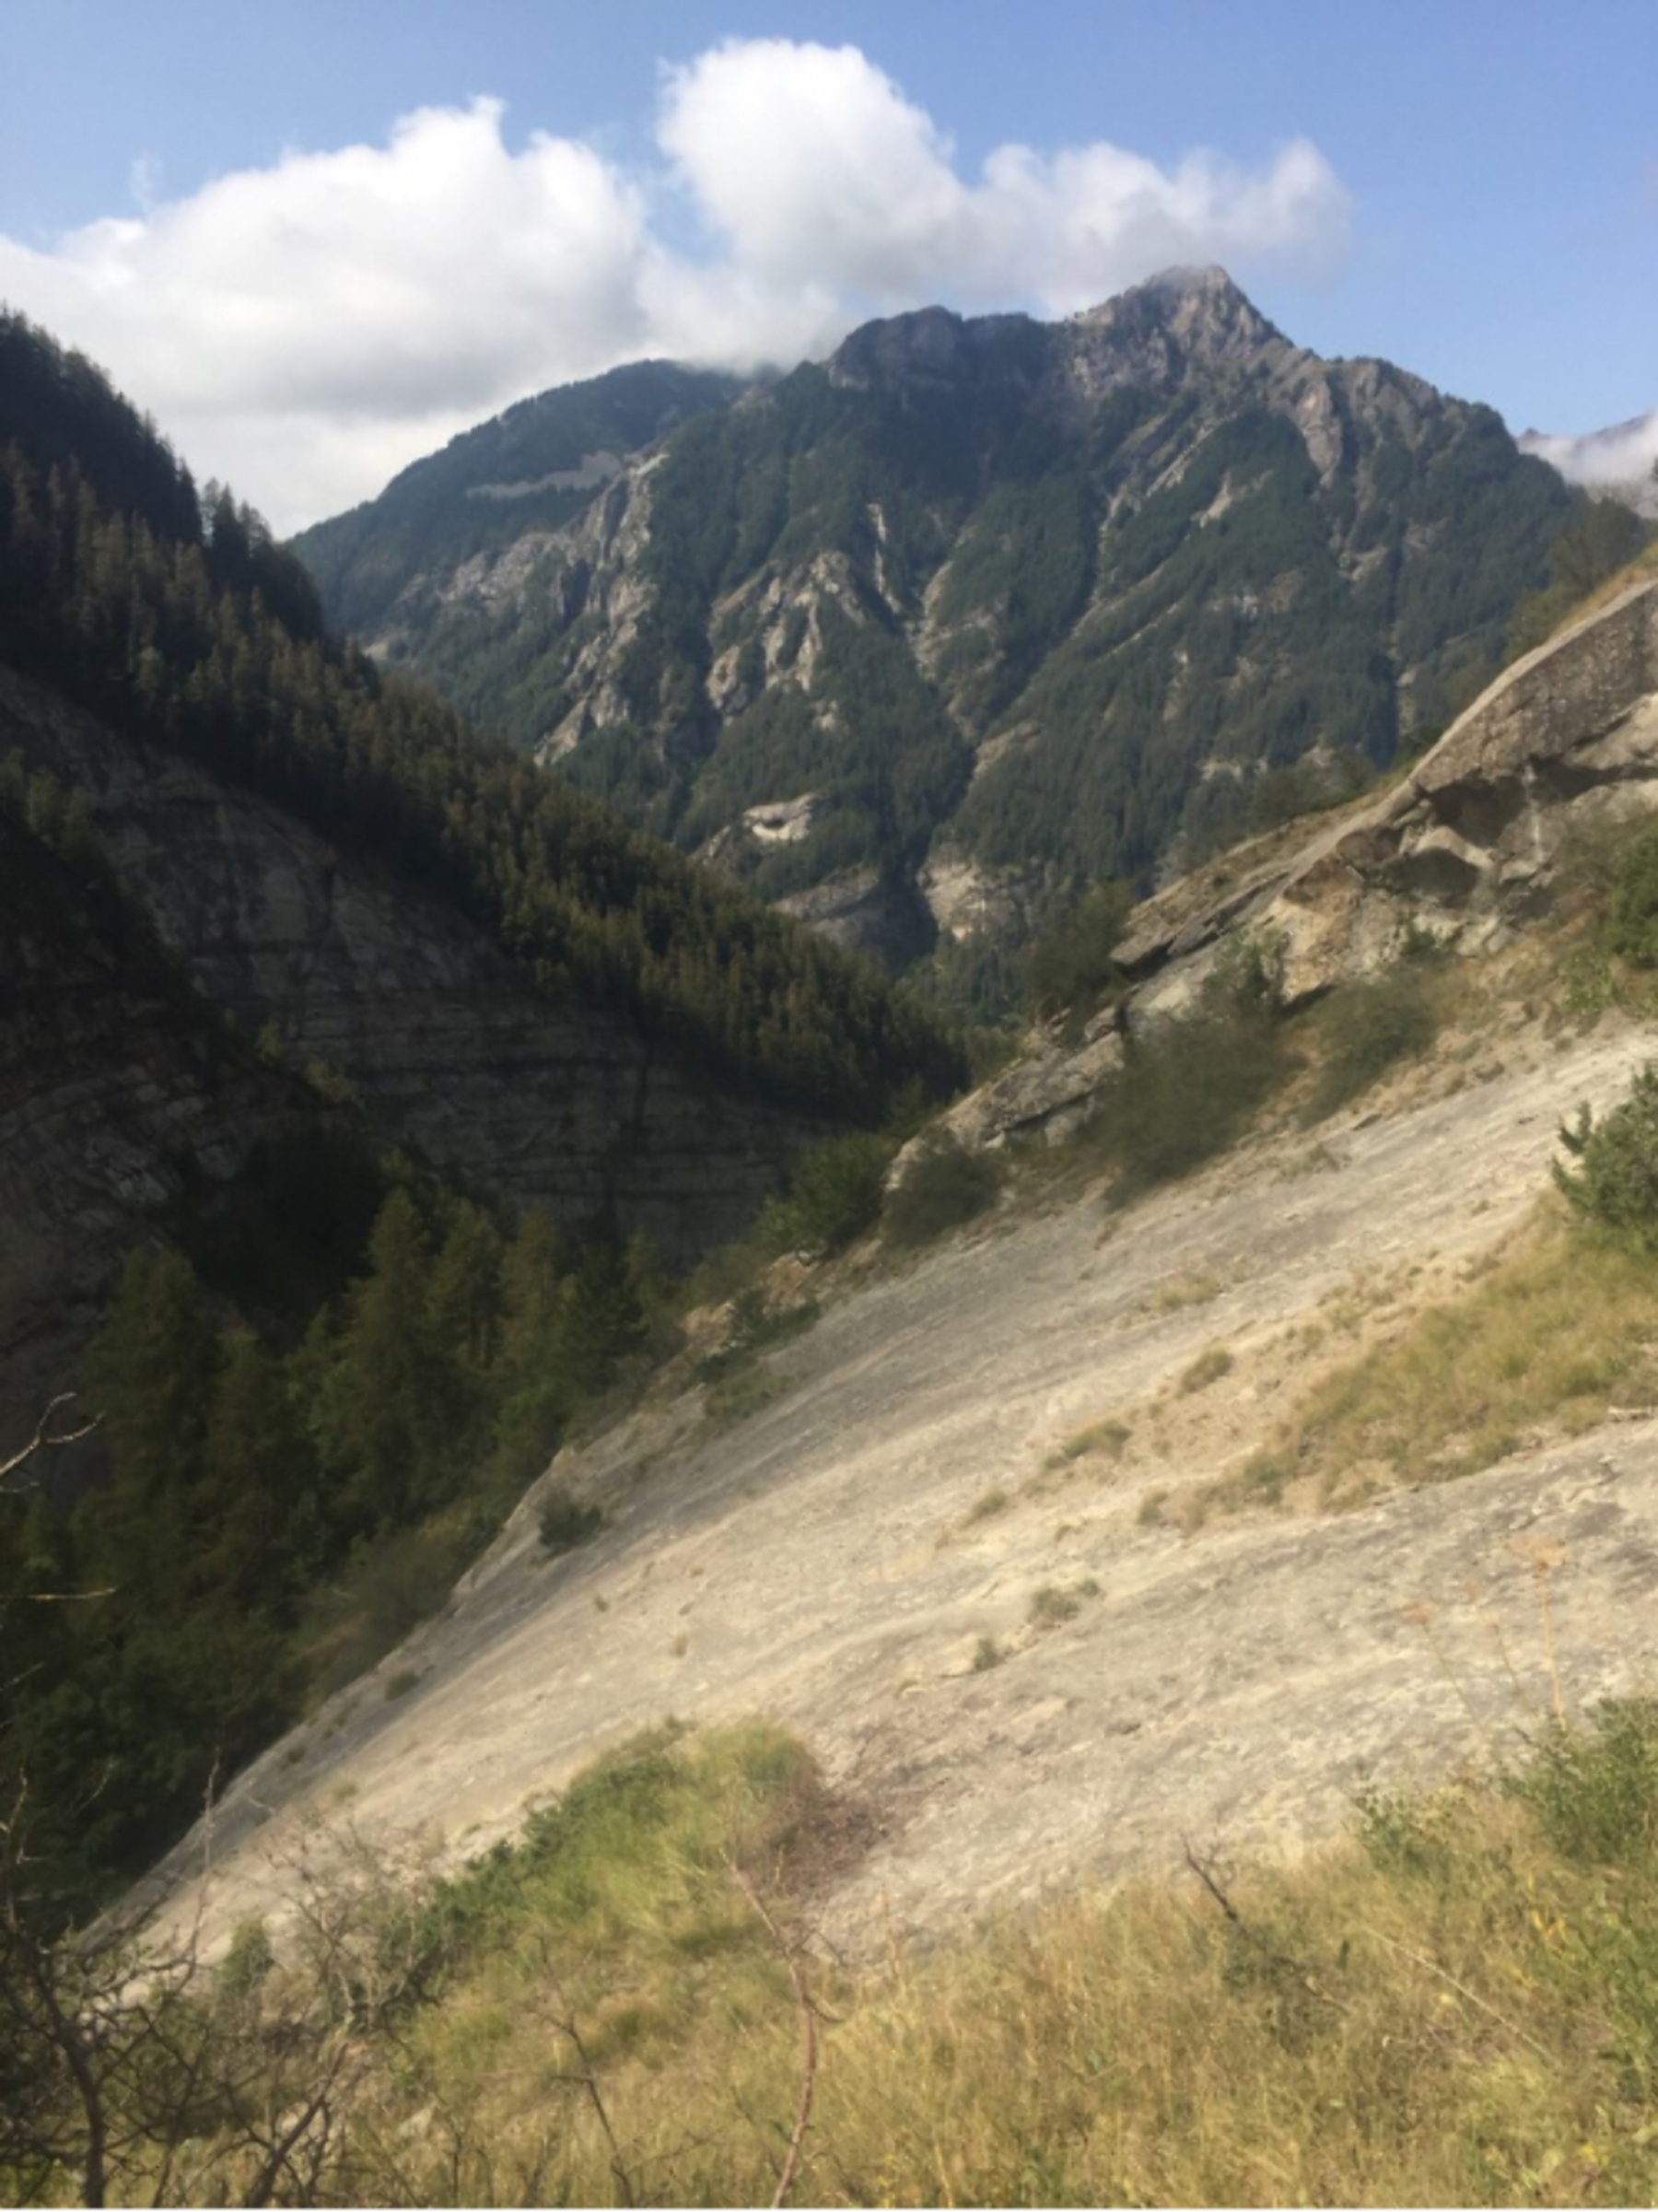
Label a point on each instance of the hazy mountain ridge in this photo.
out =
(1001, 606)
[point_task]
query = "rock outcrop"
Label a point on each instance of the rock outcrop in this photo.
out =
(1462, 848)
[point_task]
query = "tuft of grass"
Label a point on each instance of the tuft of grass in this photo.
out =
(401, 1683)
(743, 1391)
(1052, 1606)
(987, 1654)
(1109, 1437)
(1197, 1289)
(987, 1505)
(1207, 1368)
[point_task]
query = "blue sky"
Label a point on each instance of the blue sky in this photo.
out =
(296, 236)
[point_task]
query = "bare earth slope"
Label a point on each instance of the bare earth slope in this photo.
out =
(823, 1561)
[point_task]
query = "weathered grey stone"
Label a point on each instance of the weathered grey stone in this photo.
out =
(1049, 1090)
(822, 1563)
(1460, 849)
(861, 911)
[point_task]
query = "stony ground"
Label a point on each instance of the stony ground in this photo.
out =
(848, 1557)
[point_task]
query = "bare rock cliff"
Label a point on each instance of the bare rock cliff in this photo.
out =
(1463, 846)
(447, 1050)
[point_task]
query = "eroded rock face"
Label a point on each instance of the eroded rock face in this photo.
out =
(864, 911)
(123, 1102)
(879, 627)
(1463, 849)
(449, 1051)
(1050, 1090)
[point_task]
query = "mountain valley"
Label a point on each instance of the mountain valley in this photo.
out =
(661, 1502)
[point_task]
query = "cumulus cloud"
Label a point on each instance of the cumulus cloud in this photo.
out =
(808, 157)
(307, 328)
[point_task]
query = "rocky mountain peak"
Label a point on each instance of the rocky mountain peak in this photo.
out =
(934, 346)
(1178, 322)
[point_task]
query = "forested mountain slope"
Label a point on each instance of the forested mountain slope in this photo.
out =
(522, 472)
(932, 633)
(343, 1058)
(198, 641)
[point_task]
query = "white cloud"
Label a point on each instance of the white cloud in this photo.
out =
(806, 158)
(306, 329)
(1624, 457)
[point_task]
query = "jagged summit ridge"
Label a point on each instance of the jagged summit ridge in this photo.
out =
(1153, 333)
(986, 608)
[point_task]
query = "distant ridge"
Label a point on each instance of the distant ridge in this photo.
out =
(918, 642)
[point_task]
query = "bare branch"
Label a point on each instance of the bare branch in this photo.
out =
(1304, 1972)
(588, 2078)
(1432, 1966)
(47, 1439)
(789, 1953)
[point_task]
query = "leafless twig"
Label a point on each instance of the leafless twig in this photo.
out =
(1431, 1966)
(1303, 1973)
(789, 1953)
(47, 1439)
(586, 2079)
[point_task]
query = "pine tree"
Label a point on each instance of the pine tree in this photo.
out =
(375, 1422)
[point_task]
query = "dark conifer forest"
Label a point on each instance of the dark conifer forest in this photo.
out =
(307, 1430)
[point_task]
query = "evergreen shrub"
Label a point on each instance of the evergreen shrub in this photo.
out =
(834, 1197)
(1368, 1026)
(1632, 922)
(946, 1186)
(1615, 1180)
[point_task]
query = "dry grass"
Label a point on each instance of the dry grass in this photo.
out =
(1174, 1295)
(1453, 2006)
(1108, 1437)
(1543, 1343)
(1207, 1368)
